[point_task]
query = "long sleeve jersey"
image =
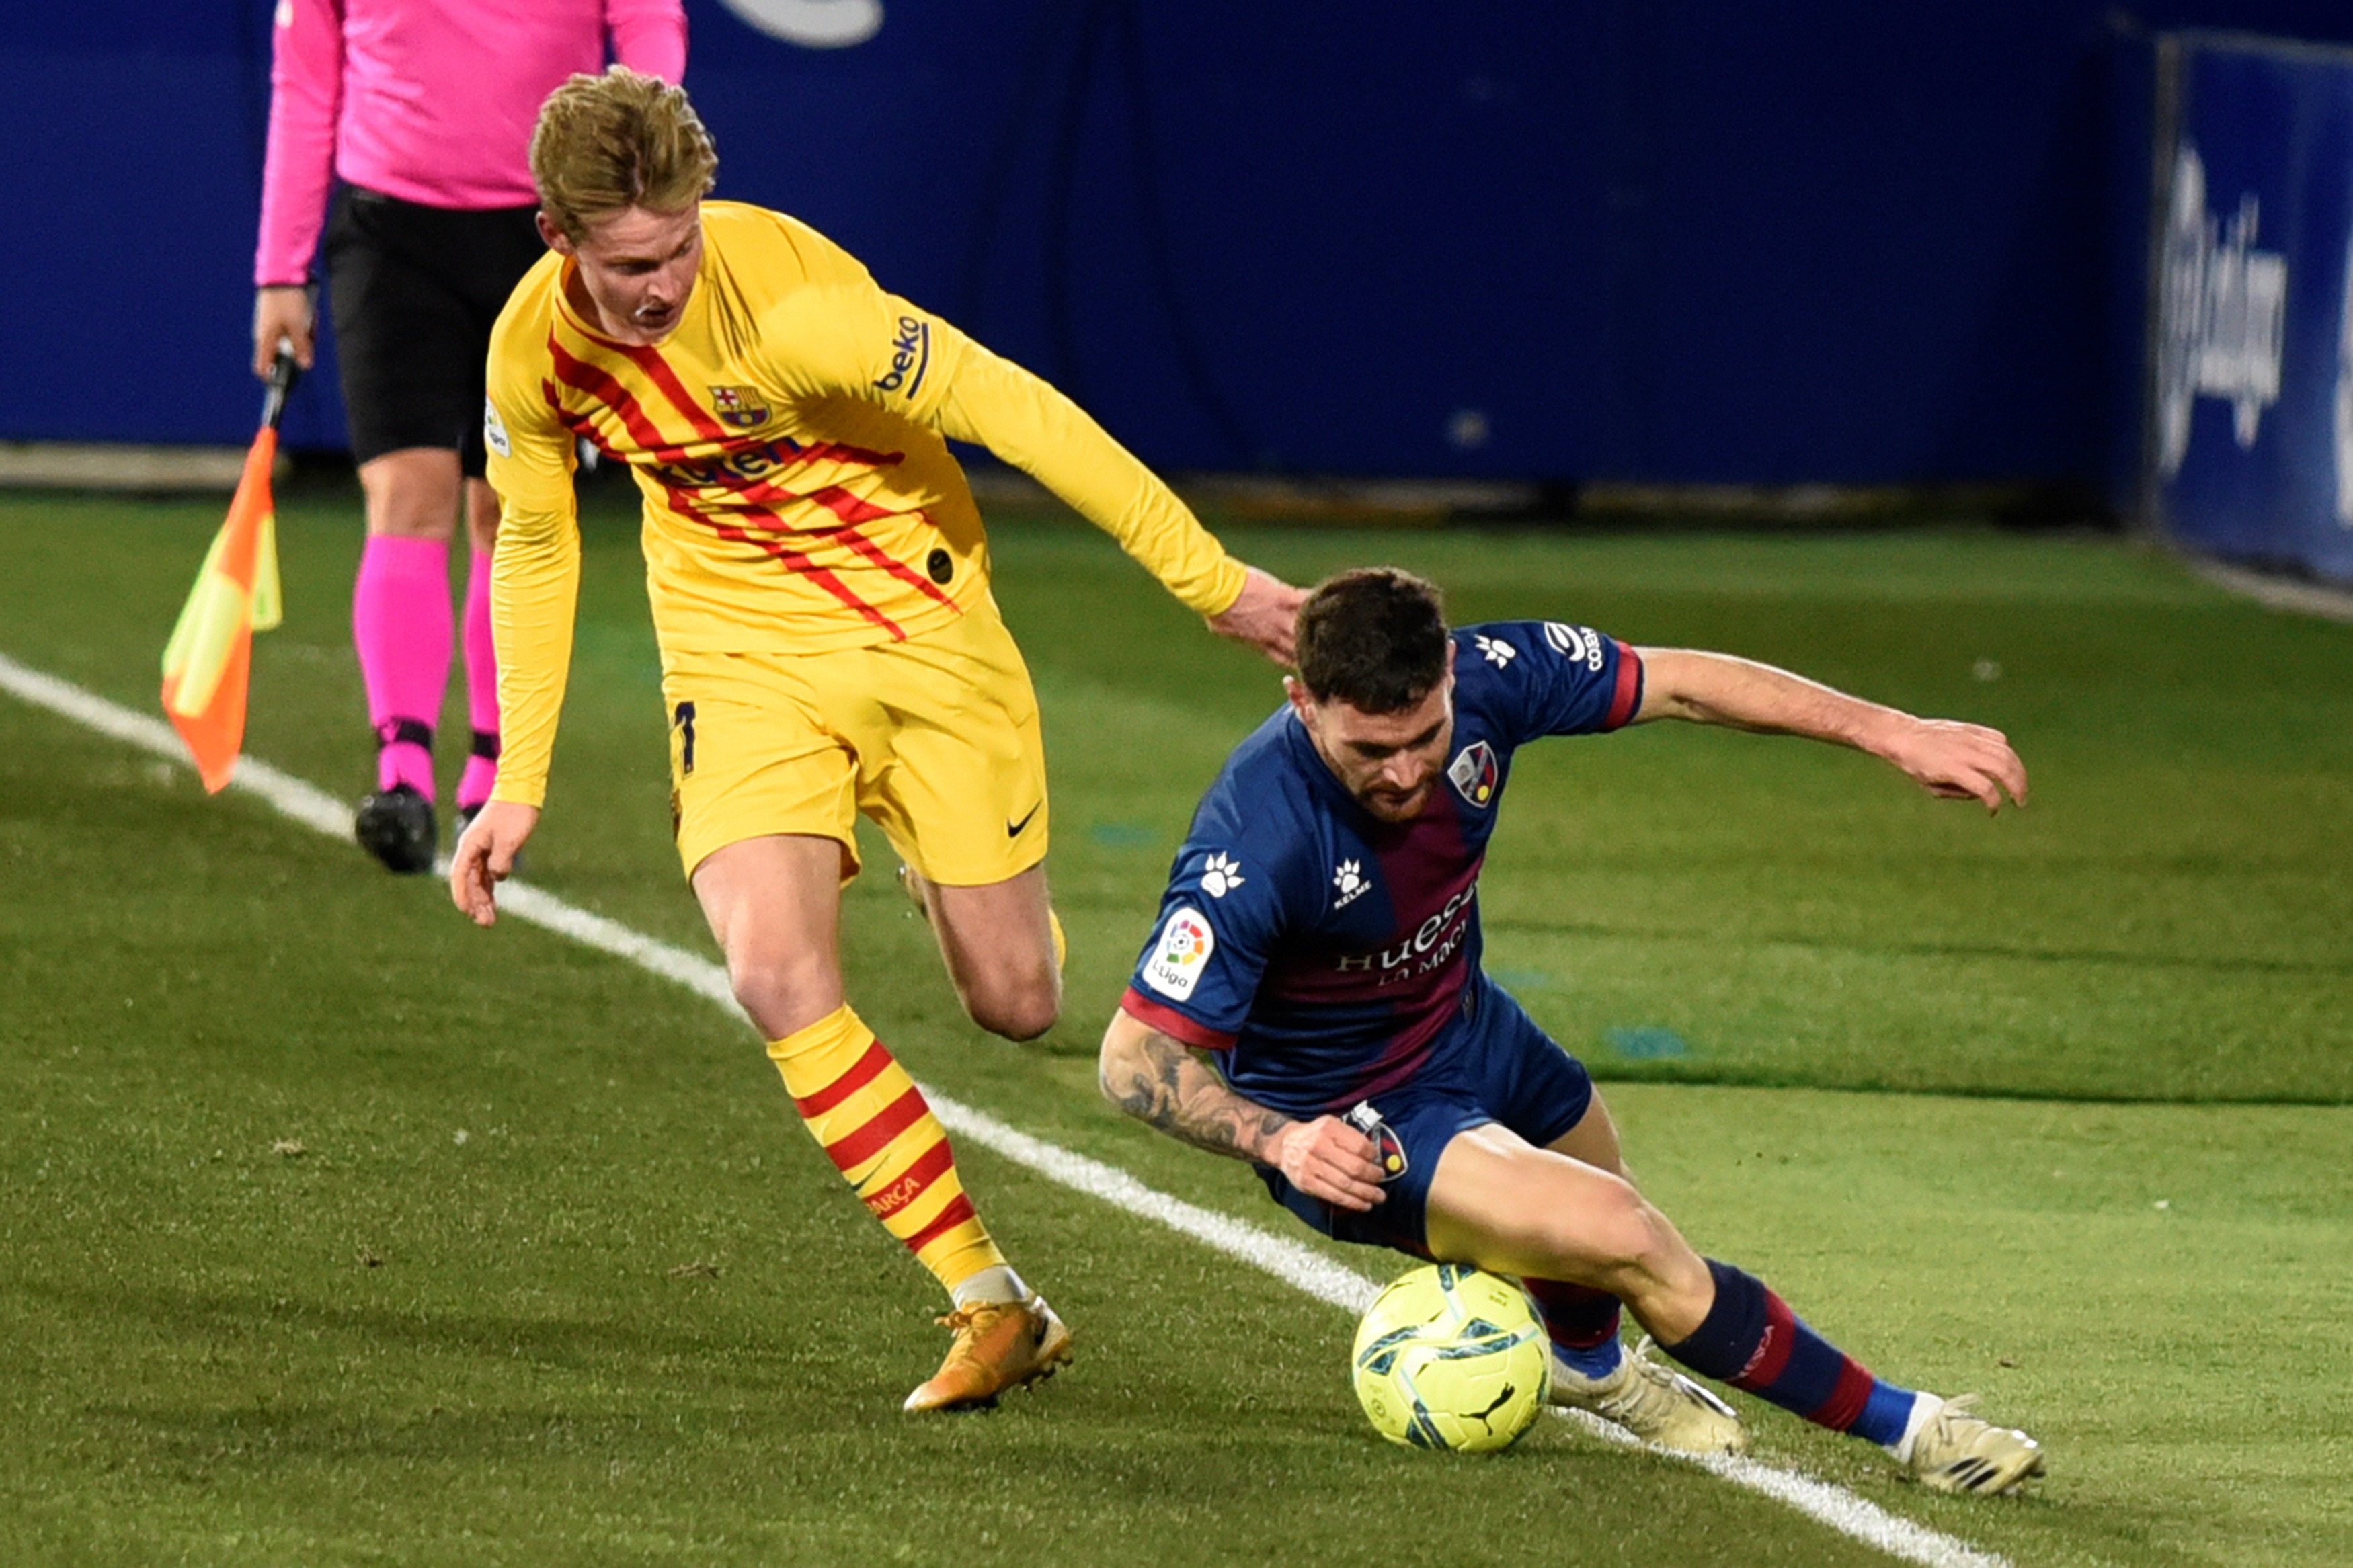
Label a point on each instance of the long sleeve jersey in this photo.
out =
(1322, 951)
(789, 439)
(428, 100)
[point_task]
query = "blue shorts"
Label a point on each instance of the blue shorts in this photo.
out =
(1491, 1064)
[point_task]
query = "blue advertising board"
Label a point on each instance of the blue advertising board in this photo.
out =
(1833, 242)
(2249, 437)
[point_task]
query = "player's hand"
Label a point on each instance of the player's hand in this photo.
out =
(1266, 617)
(485, 857)
(1959, 762)
(1328, 1159)
(282, 313)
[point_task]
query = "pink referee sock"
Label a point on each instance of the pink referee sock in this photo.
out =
(482, 773)
(400, 624)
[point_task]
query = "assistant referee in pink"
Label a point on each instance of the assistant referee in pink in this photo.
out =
(418, 114)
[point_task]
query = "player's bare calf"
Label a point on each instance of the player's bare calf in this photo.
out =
(1001, 946)
(1499, 1202)
(774, 905)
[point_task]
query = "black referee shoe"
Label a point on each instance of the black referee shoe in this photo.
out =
(396, 827)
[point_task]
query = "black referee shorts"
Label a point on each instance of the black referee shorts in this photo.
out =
(413, 291)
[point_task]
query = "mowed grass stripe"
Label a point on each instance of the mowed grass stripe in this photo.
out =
(1307, 1271)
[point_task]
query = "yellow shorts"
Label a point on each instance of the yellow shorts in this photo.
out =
(935, 738)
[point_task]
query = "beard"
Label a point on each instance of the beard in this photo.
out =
(1390, 805)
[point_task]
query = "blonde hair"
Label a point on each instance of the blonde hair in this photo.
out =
(607, 144)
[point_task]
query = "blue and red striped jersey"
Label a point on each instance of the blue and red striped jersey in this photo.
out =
(1322, 949)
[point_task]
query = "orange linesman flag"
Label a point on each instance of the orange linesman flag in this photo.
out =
(207, 660)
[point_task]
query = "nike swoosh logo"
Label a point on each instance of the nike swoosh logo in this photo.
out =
(1013, 829)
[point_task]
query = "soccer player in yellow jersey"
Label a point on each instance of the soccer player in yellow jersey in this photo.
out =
(819, 582)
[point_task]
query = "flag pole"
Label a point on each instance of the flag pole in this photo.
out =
(208, 661)
(283, 374)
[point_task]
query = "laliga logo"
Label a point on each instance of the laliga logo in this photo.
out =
(1181, 955)
(813, 23)
(2220, 315)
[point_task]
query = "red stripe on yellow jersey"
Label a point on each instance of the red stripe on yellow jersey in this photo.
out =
(789, 437)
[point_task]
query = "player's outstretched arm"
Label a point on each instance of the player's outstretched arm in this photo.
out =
(1957, 761)
(994, 402)
(1159, 1081)
(1266, 617)
(485, 857)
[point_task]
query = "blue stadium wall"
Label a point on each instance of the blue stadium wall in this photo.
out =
(1835, 241)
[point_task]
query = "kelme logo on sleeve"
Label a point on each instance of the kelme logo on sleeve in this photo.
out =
(1221, 876)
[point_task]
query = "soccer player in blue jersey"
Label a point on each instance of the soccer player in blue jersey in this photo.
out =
(1311, 1000)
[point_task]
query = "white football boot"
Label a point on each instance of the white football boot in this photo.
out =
(1655, 1403)
(1950, 1450)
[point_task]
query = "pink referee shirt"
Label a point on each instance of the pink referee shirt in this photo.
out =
(429, 101)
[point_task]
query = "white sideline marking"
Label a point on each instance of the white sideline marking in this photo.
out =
(1296, 1264)
(1835, 1506)
(2328, 601)
(1285, 1259)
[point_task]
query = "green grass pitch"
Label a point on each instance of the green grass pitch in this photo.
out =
(2057, 1106)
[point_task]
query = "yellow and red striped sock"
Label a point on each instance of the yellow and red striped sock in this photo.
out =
(875, 1126)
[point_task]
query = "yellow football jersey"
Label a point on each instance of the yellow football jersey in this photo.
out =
(789, 439)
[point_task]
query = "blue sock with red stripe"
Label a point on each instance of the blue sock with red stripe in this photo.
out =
(1752, 1341)
(1582, 1324)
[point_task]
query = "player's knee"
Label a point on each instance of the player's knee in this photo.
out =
(1615, 1227)
(1019, 1008)
(1023, 1019)
(782, 994)
(402, 503)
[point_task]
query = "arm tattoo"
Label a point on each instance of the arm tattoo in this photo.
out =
(1162, 1083)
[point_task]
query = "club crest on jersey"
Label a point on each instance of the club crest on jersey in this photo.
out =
(1389, 1149)
(742, 407)
(1475, 774)
(1181, 955)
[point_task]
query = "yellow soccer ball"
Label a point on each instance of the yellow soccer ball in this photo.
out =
(1449, 1357)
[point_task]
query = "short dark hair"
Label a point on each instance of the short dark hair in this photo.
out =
(1374, 637)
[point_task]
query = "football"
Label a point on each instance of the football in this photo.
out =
(1449, 1357)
